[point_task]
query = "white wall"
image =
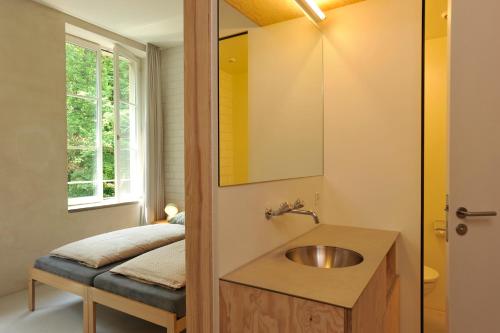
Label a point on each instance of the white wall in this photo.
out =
(33, 203)
(172, 66)
(372, 129)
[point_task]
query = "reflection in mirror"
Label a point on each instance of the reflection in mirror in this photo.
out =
(270, 96)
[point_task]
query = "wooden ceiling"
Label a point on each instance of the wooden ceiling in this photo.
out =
(266, 12)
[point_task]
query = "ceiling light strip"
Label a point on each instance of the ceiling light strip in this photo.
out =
(311, 9)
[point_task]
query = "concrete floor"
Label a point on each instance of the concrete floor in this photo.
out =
(59, 312)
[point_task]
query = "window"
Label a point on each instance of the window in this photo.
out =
(101, 123)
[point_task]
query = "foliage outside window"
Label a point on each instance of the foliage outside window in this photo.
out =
(101, 124)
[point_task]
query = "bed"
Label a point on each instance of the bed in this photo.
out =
(65, 275)
(150, 286)
(166, 308)
(161, 306)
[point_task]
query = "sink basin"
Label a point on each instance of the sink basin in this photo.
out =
(324, 256)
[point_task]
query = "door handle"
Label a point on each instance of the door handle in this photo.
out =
(463, 213)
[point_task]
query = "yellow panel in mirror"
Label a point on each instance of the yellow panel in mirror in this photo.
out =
(265, 12)
(233, 110)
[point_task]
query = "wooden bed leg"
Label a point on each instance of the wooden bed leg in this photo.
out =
(86, 328)
(88, 313)
(91, 314)
(171, 324)
(31, 294)
(91, 317)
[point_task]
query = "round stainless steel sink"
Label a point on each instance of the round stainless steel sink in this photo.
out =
(324, 256)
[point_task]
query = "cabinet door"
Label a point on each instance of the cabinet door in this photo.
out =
(251, 310)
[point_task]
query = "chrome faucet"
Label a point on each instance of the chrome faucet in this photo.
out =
(296, 208)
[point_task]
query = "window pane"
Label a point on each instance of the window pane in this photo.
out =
(108, 189)
(80, 190)
(127, 80)
(81, 71)
(108, 125)
(108, 149)
(108, 80)
(127, 149)
(82, 149)
(82, 165)
(81, 122)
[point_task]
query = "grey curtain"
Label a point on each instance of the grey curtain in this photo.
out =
(154, 181)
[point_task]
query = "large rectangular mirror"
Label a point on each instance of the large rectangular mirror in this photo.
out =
(270, 94)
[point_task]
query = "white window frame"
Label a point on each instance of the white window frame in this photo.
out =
(120, 52)
(99, 199)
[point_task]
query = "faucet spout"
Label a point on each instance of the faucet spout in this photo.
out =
(286, 208)
(306, 212)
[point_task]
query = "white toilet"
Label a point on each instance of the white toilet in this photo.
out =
(430, 278)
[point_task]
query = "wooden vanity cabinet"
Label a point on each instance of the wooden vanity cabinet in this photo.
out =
(245, 309)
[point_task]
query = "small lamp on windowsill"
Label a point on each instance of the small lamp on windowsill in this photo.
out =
(171, 210)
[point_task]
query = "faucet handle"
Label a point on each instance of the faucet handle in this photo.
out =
(284, 207)
(298, 204)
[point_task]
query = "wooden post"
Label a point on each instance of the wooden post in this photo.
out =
(198, 161)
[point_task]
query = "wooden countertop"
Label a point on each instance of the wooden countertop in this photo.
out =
(338, 286)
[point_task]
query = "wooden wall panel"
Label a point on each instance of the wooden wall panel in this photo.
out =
(251, 310)
(198, 164)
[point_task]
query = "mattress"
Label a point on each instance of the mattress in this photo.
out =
(70, 269)
(167, 299)
(104, 249)
(165, 266)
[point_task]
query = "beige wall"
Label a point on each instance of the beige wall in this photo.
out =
(172, 81)
(436, 137)
(33, 204)
(372, 129)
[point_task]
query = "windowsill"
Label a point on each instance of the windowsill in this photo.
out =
(100, 205)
